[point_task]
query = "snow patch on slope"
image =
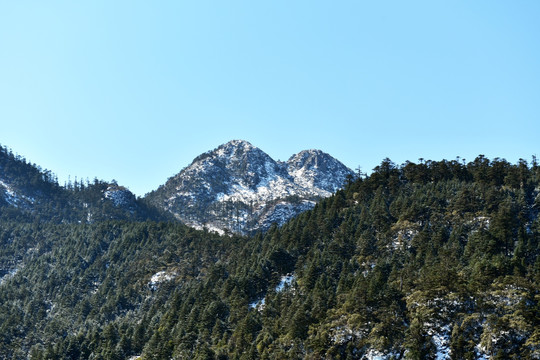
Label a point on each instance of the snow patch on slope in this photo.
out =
(12, 197)
(159, 278)
(286, 282)
(6, 275)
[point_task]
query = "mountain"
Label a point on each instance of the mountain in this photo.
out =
(239, 188)
(437, 260)
(28, 193)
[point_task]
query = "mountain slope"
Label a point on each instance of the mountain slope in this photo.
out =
(28, 193)
(240, 188)
(438, 260)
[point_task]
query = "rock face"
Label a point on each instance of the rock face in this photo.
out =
(239, 188)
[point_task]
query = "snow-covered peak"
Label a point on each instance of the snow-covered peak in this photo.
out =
(239, 187)
(306, 155)
(311, 159)
(238, 144)
(315, 168)
(239, 150)
(232, 149)
(236, 162)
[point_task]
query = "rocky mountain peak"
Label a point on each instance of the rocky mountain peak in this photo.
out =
(238, 146)
(315, 168)
(239, 187)
(234, 150)
(311, 160)
(247, 164)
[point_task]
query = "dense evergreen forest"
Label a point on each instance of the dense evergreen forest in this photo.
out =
(437, 259)
(29, 193)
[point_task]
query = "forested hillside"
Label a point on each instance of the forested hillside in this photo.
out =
(29, 193)
(418, 261)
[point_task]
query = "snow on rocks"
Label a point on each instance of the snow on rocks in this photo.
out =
(159, 278)
(119, 195)
(373, 354)
(314, 168)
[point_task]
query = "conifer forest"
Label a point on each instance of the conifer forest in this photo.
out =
(427, 260)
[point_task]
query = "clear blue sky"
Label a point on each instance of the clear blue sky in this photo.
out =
(134, 90)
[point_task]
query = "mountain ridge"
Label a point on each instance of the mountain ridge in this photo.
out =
(29, 193)
(235, 187)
